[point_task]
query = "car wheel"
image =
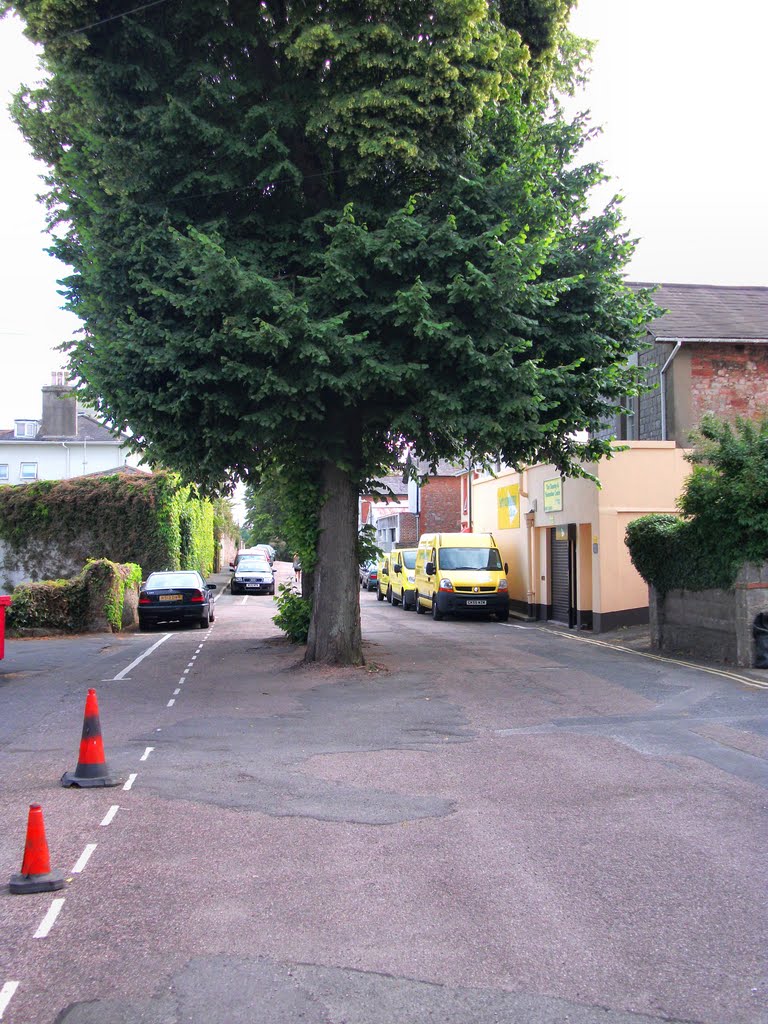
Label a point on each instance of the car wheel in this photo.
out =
(436, 613)
(271, 591)
(144, 626)
(379, 595)
(420, 609)
(502, 616)
(205, 621)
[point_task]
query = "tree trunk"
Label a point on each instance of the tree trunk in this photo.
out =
(334, 632)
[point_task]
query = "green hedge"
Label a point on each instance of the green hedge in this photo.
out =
(90, 601)
(152, 521)
(671, 553)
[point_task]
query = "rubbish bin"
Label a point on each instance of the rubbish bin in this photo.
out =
(760, 633)
(4, 603)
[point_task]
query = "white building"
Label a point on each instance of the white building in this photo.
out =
(65, 442)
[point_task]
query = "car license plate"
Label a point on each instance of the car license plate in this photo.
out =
(473, 601)
(254, 585)
(170, 597)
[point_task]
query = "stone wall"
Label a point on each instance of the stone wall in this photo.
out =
(712, 625)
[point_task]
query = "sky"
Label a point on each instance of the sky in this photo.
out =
(678, 86)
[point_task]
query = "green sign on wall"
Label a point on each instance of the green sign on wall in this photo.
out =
(553, 495)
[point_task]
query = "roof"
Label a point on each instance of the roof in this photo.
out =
(707, 312)
(88, 429)
(122, 471)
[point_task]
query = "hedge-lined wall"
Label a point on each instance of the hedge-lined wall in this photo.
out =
(50, 529)
(93, 601)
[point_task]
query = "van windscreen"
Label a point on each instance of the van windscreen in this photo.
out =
(470, 558)
(409, 559)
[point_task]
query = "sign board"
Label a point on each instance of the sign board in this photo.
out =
(553, 495)
(508, 499)
(414, 497)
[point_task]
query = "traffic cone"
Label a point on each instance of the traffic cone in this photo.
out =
(92, 769)
(36, 874)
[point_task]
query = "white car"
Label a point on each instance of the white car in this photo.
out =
(252, 575)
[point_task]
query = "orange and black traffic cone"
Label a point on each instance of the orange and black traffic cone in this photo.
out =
(92, 769)
(36, 874)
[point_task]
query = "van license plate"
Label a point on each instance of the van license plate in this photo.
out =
(474, 602)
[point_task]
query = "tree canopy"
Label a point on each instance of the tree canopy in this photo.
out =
(331, 233)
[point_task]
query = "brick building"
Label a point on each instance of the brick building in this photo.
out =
(707, 354)
(410, 510)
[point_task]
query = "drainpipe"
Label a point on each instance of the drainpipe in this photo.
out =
(65, 446)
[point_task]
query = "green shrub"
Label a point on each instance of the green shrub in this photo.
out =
(294, 613)
(724, 513)
(94, 596)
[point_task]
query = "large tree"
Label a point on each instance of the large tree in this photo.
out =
(328, 233)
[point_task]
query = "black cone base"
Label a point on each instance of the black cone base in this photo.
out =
(37, 883)
(85, 781)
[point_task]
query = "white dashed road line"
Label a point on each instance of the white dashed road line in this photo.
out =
(124, 673)
(6, 994)
(171, 702)
(146, 753)
(49, 920)
(83, 858)
(130, 781)
(110, 814)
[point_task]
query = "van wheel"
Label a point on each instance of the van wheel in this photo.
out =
(502, 616)
(379, 595)
(390, 596)
(420, 609)
(403, 602)
(437, 615)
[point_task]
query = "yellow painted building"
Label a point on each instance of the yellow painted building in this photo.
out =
(564, 538)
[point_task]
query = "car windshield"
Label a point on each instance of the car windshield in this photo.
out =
(260, 564)
(470, 558)
(173, 581)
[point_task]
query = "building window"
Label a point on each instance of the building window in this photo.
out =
(26, 428)
(28, 471)
(4, 471)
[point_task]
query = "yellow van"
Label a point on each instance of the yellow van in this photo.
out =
(382, 581)
(402, 582)
(461, 573)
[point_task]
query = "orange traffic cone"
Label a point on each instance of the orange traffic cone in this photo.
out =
(36, 874)
(92, 769)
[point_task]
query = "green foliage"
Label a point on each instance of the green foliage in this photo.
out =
(294, 614)
(725, 508)
(94, 597)
(285, 506)
(224, 524)
(152, 521)
(367, 548)
(356, 227)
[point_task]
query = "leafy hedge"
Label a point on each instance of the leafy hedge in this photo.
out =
(152, 521)
(92, 600)
(724, 513)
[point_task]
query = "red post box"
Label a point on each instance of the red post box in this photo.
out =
(4, 603)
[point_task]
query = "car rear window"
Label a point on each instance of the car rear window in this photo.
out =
(173, 581)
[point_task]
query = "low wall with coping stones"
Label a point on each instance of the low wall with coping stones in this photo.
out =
(713, 625)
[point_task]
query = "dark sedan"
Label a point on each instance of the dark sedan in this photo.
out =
(181, 596)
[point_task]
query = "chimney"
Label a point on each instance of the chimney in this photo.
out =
(59, 409)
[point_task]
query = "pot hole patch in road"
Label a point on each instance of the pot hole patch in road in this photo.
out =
(240, 991)
(257, 763)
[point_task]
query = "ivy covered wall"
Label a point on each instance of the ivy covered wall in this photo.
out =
(50, 529)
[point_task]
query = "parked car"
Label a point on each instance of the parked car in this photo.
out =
(262, 550)
(176, 596)
(253, 575)
(369, 576)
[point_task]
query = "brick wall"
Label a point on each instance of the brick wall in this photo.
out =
(729, 380)
(441, 505)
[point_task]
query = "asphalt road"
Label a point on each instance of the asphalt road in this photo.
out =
(488, 824)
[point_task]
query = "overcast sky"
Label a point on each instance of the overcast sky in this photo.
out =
(679, 87)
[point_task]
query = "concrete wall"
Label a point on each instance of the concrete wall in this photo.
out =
(711, 624)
